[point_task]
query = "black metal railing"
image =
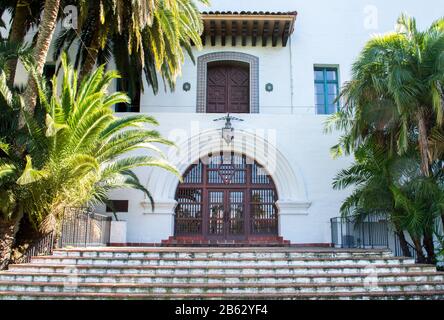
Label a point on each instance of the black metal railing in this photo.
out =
(399, 252)
(371, 232)
(42, 247)
(82, 228)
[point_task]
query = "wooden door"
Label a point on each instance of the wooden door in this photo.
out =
(216, 214)
(226, 198)
(235, 220)
(228, 89)
(226, 214)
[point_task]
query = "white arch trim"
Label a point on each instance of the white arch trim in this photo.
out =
(288, 178)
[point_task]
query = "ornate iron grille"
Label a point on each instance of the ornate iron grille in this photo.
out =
(189, 211)
(226, 196)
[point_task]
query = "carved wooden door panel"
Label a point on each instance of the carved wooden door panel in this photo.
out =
(228, 89)
(238, 90)
(217, 98)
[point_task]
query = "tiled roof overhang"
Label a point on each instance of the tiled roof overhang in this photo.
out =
(258, 25)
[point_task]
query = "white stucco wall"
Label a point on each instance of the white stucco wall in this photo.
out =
(327, 32)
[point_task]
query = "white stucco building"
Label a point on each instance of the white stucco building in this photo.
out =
(280, 75)
(285, 87)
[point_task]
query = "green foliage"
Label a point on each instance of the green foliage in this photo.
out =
(143, 37)
(397, 78)
(76, 151)
(392, 122)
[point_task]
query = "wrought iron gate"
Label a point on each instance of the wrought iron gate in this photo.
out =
(81, 228)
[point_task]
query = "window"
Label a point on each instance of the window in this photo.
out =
(326, 90)
(117, 206)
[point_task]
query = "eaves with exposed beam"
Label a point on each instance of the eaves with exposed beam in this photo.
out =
(243, 28)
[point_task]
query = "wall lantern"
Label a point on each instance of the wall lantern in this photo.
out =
(269, 87)
(228, 130)
(186, 87)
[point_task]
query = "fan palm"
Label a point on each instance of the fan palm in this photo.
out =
(422, 200)
(81, 151)
(396, 90)
(372, 178)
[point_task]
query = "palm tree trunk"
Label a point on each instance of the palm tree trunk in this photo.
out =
(423, 144)
(429, 247)
(17, 35)
(403, 243)
(8, 231)
(419, 253)
(91, 58)
(45, 34)
(93, 46)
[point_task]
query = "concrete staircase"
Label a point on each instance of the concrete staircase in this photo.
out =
(221, 273)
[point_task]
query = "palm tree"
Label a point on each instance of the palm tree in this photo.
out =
(395, 99)
(150, 44)
(79, 151)
(40, 52)
(10, 159)
(422, 200)
(396, 90)
(25, 15)
(372, 178)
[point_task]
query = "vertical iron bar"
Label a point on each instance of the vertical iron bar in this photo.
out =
(63, 227)
(342, 236)
(86, 228)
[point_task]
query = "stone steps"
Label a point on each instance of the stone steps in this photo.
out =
(394, 295)
(412, 295)
(221, 278)
(221, 273)
(224, 270)
(227, 288)
(216, 253)
(218, 261)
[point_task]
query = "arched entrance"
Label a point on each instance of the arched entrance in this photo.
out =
(226, 196)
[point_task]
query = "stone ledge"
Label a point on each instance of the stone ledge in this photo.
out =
(289, 208)
(161, 207)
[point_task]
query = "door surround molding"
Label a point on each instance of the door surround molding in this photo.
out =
(202, 71)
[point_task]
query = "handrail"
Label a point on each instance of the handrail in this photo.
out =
(371, 232)
(43, 246)
(398, 250)
(81, 227)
